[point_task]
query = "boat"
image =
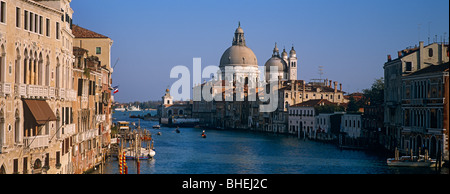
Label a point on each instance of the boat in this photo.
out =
(123, 126)
(203, 134)
(145, 154)
(407, 161)
(133, 108)
(119, 109)
(156, 126)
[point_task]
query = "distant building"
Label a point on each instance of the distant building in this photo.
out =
(175, 113)
(373, 125)
(246, 114)
(302, 118)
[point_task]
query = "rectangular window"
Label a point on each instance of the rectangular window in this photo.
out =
(25, 165)
(58, 160)
(2, 12)
(40, 24)
(98, 50)
(80, 87)
(17, 17)
(57, 30)
(31, 21)
(25, 20)
(36, 23)
(16, 166)
(408, 66)
(47, 27)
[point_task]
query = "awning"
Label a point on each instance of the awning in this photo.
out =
(40, 111)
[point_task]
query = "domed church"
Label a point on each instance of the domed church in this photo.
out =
(287, 67)
(242, 60)
(245, 65)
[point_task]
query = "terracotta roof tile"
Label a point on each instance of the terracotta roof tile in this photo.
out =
(80, 32)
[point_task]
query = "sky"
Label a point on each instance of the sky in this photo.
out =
(349, 38)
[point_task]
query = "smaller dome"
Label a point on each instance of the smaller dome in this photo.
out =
(292, 51)
(284, 54)
(276, 62)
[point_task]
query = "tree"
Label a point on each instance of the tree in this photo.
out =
(352, 106)
(375, 95)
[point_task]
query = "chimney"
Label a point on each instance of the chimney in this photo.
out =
(330, 83)
(389, 58)
(340, 87)
(303, 92)
(421, 55)
(335, 86)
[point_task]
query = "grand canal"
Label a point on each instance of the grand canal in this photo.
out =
(246, 152)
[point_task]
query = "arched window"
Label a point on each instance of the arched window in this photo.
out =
(430, 52)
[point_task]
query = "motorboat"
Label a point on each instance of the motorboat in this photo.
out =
(156, 126)
(144, 154)
(133, 108)
(407, 161)
(119, 109)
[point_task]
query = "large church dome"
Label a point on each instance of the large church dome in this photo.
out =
(238, 54)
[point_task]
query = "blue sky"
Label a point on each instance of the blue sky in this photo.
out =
(349, 38)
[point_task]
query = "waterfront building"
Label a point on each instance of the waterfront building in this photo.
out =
(36, 89)
(373, 124)
(409, 61)
(302, 118)
(350, 133)
(49, 123)
(446, 114)
(90, 137)
(423, 112)
(175, 113)
(99, 45)
(323, 126)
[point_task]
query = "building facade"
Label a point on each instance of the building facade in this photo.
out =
(423, 112)
(409, 60)
(39, 120)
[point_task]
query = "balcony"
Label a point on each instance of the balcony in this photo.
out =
(100, 118)
(61, 93)
(5, 89)
(52, 92)
(68, 130)
(36, 141)
(37, 91)
(20, 90)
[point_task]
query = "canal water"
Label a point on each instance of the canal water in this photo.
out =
(247, 152)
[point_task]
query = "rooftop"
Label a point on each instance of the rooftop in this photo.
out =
(80, 32)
